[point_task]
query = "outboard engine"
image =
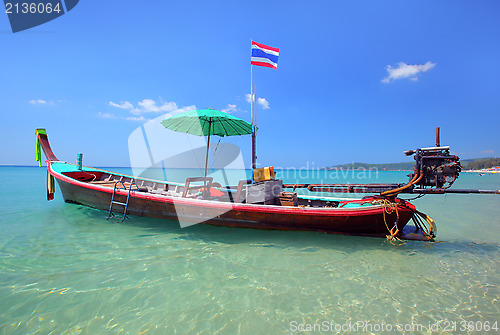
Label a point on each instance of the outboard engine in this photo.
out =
(440, 169)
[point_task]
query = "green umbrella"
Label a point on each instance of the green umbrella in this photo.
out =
(207, 122)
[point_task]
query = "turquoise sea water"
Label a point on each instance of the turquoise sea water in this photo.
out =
(64, 269)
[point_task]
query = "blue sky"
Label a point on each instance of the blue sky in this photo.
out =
(356, 80)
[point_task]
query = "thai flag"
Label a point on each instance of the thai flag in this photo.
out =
(263, 55)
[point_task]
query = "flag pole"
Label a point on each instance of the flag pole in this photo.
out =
(255, 111)
(254, 132)
(251, 108)
(251, 88)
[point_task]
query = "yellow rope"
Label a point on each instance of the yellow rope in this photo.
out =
(389, 208)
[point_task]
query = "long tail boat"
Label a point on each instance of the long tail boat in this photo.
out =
(261, 205)
(262, 202)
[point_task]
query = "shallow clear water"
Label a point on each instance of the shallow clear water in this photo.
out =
(65, 269)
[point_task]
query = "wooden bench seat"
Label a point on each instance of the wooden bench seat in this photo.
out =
(107, 183)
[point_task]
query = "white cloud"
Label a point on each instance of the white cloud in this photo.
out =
(488, 151)
(136, 118)
(106, 115)
(42, 102)
(260, 101)
(230, 108)
(122, 105)
(38, 102)
(148, 105)
(263, 102)
(144, 106)
(113, 116)
(403, 70)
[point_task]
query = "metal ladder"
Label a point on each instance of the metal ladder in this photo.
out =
(110, 214)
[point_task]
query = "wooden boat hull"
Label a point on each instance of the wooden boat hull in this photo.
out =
(373, 219)
(360, 221)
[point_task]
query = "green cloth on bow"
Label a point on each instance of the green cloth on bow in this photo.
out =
(38, 146)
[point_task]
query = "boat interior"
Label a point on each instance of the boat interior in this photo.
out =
(268, 192)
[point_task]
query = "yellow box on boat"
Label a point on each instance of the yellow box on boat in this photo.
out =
(263, 174)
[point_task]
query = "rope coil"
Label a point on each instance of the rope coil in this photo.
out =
(423, 222)
(389, 208)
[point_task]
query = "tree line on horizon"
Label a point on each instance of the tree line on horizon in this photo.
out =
(482, 163)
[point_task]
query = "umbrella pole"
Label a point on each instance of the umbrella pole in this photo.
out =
(208, 146)
(206, 191)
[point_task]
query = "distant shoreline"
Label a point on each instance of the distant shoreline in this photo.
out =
(481, 171)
